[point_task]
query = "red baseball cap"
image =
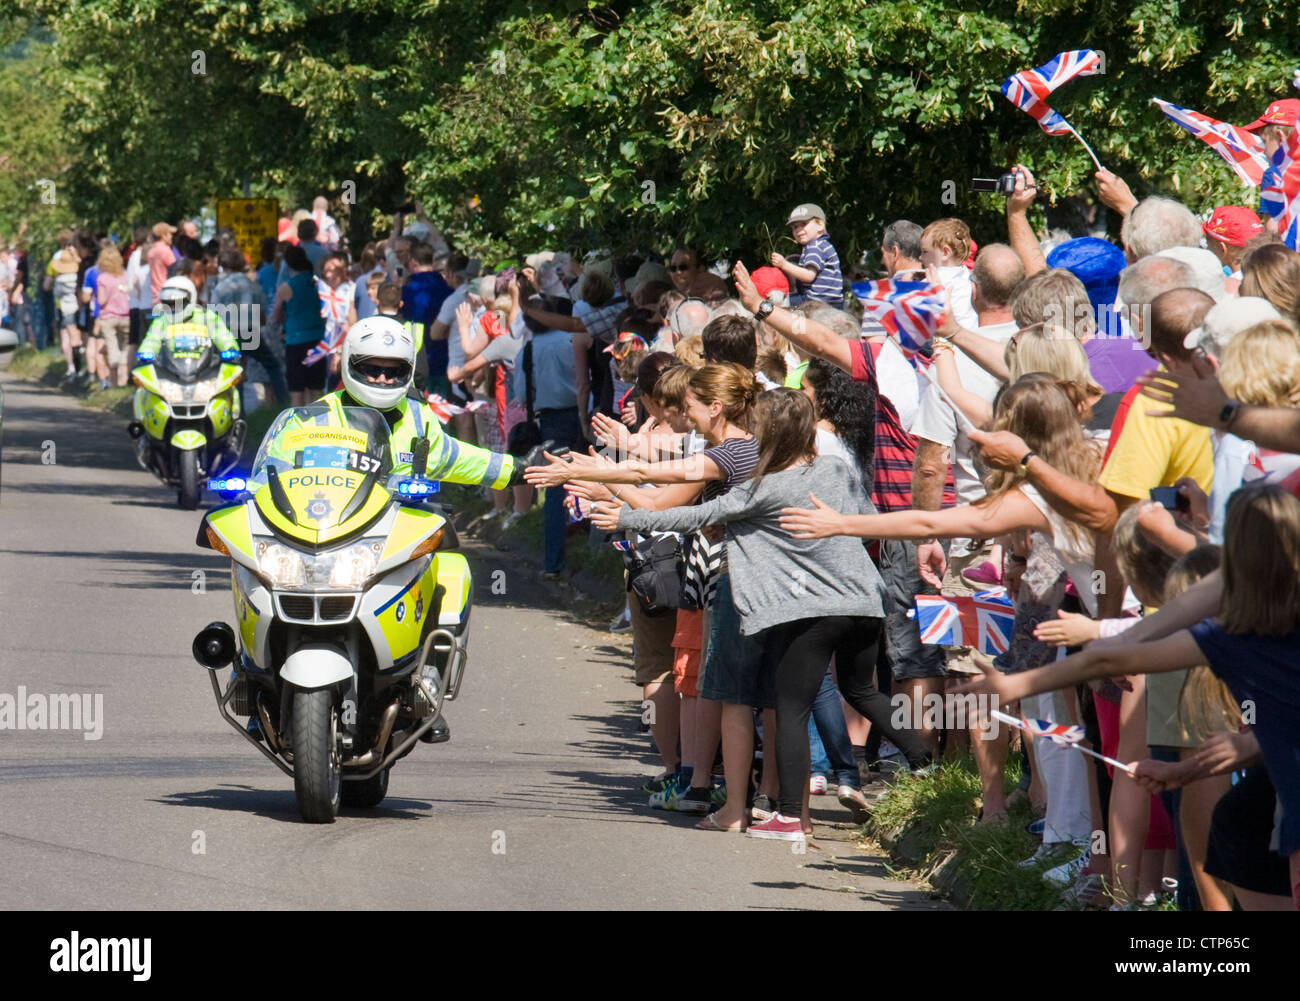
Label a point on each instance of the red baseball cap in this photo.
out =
(1278, 113)
(768, 280)
(1234, 224)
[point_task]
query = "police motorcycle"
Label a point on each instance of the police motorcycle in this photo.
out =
(351, 606)
(187, 424)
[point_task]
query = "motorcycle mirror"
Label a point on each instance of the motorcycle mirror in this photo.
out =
(214, 646)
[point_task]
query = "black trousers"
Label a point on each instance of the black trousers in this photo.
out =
(797, 654)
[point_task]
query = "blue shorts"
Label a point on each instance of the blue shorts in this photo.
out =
(733, 666)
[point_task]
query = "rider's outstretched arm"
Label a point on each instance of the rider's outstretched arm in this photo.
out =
(455, 461)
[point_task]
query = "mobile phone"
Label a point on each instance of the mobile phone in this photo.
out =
(1169, 498)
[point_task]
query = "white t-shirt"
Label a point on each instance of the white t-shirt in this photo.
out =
(896, 380)
(936, 422)
(137, 278)
(956, 280)
(1231, 456)
(1073, 543)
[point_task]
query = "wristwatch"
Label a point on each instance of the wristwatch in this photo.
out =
(1229, 413)
(764, 310)
(1024, 462)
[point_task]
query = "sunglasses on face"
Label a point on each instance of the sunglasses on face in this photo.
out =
(374, 371)
(679, 267)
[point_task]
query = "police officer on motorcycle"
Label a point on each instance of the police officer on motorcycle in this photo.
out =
(180, 314)
(378, 365)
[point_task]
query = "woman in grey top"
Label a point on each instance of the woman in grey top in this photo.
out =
(802, 602)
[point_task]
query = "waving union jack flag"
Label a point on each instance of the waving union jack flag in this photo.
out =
(445, 410)
(1029, 89)
(909, 311)
(1060, 733)
(1243, 151)
(982, 620)
(1280, 194)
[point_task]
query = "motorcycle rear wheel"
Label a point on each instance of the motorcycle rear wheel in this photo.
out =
(188, 495)
(317, 761)
(368, 793)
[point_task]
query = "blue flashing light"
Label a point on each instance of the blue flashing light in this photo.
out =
(417, 488)
(229, 484)
(144, 357)
(231, 355)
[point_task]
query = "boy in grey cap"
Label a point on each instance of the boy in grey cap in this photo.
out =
(816, 275)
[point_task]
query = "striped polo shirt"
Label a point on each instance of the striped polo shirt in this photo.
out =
(828, 286)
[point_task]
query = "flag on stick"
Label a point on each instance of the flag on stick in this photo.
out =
(1029, 90)
(1027, 726)
(1243, 151)
(910, 312)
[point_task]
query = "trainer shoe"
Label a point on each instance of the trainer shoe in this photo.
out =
(621, 624)
(1045, 853)
(1066, 873)
(652, 786)
(718, 794)
(696, 799)
(817, 785)
(670, 795)
(778, 828)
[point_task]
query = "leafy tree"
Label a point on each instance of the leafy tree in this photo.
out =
(624, 124)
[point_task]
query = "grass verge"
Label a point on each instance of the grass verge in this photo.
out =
(928, 822)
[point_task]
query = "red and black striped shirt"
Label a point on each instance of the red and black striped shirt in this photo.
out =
(895, 448)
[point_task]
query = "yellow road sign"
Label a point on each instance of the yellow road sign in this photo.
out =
(252, 219)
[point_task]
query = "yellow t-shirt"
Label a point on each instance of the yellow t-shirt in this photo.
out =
(1146, 452)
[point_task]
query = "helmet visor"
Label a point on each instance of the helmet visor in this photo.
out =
(381, 372)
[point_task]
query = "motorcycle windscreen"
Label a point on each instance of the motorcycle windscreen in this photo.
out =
(328, 462)
(185, 357)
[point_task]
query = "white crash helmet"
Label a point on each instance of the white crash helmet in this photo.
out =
(177, 298)
(373, 339)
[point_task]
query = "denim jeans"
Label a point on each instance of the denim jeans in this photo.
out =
(828, 737)
(561, 427)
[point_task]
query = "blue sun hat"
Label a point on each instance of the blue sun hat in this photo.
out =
(1097, 263)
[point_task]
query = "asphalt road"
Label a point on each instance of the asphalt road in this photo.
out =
(533, 804)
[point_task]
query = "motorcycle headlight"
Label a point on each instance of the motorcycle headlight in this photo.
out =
(344, 569)
(172, 392)
(204, 391)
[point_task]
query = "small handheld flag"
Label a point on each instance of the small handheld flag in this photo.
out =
(1029, 90)
(1066, 741)
(983, 620)
(910, 312)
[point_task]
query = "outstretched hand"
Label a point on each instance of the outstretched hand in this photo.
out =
(557, 470)
(818, 523)
(746, 290)
(1194, 397)
(604, 515)
(1068, 629)
(999, 449)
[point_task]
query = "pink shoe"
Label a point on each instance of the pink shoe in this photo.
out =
(779, 828)
(984, 575)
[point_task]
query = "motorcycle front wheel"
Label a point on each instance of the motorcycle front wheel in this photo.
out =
(367, 793)
(317, 763)
(188, 495)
